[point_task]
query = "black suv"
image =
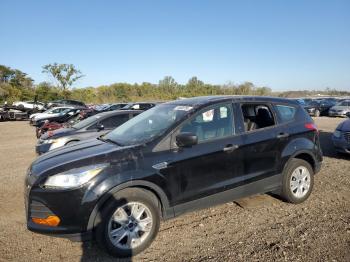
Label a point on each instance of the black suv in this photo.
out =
(174, 158)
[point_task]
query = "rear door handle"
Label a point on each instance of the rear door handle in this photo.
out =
(230, 148)
(282, 135)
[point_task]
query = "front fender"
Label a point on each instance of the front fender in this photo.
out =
(111, 187)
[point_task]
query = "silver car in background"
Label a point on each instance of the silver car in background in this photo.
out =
(340, 109)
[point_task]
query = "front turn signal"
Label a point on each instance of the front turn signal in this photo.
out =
(51, 221)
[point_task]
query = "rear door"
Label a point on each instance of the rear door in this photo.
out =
(261, 141)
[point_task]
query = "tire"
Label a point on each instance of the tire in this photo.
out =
(317, 113)
(298, 181)
(126, 200)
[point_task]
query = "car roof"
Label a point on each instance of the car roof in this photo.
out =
(58, 107)
(118, 112)
(203, 100)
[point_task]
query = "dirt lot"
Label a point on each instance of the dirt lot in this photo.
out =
(260, 228)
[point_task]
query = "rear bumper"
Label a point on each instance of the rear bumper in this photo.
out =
(337, 114)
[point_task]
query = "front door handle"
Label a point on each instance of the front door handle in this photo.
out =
(230, 148)
(282, 135)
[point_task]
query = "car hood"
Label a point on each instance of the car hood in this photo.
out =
(340, 108)
(58, 133)
(45, 116)
(85, 153)
(34, 115)
(344, 126)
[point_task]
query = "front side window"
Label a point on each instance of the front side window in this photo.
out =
(212, 123)
(286, 113)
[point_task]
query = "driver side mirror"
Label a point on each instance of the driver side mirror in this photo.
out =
(100, 127)
(186, 139)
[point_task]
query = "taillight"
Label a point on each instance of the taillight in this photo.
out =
(311, 126)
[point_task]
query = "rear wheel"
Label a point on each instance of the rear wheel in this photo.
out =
(298, 181)
(130, 222)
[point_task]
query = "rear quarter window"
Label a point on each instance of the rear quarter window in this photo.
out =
(286, 113)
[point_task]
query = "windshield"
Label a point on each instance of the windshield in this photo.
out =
(86, 122)
(148, 125)
(344, 103)
(65, 111)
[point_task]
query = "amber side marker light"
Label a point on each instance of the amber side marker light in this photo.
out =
(51, 221)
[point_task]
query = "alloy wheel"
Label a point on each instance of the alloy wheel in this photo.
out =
(130, 225)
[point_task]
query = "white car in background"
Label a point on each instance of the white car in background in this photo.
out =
(52, 112)
(28, 105)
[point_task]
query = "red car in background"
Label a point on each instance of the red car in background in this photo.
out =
(65, 122)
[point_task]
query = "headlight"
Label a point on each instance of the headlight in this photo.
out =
(48, 141)
(74, 177)
(337, 134)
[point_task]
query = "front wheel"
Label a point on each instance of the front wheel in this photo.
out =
(298, 181)
(130, 222)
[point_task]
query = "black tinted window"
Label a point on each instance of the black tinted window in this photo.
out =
(114, 121)
(257, 116)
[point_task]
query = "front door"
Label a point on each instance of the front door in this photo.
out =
(214, 163)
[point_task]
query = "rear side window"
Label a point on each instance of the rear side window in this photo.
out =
(257, 116)
(115, 121)
(286, 113)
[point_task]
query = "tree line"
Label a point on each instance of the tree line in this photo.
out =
(16, 85)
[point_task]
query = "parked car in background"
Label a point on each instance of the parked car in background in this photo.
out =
(65, 102)
(55, 111)
(29, 105)
(115, 106)
(340, 109)
(174, 158)
(65, 121)
(318, 107)
(92, 127)
(63, 116)
(12, 114)
(341, 136)
(139, 106)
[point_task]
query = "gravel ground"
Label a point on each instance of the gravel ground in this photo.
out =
(259, 228)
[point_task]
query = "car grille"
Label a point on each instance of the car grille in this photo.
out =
(347, 136)
(37, 209)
